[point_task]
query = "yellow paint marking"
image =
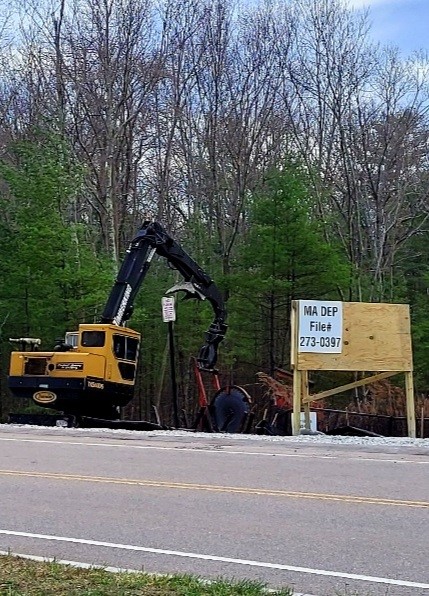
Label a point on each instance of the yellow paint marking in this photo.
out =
(221, 489)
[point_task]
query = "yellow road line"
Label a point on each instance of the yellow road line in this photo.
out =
(221, 489)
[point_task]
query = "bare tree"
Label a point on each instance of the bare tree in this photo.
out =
(91, 70)
(358, 120)
(179, 114)
(110, 67)
(387, 162)
(229, 130)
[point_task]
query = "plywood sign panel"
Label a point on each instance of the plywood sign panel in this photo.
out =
(375, 337)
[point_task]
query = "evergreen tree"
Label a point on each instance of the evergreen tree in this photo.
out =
(284, 257)
(52, 277)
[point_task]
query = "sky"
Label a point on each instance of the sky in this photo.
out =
(403, 23)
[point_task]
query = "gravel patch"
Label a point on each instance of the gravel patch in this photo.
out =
(301, 439)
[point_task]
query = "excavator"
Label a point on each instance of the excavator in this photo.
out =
(92, 371)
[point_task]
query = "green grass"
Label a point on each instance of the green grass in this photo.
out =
(23, 577)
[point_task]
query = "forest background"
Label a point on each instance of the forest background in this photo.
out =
(282, 148)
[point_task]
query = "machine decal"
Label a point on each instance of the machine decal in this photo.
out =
(69, 366)
(94, 384)
(44, 397)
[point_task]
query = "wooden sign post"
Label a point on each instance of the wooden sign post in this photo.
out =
(349, 336)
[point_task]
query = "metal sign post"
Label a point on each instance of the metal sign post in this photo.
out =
(169, 316)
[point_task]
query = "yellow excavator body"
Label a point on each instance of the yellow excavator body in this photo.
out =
(92, 376)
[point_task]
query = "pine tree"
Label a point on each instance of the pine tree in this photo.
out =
(284, 257)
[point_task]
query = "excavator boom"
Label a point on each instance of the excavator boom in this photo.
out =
(153, 239)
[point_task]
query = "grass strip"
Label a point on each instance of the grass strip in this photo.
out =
(23, 577)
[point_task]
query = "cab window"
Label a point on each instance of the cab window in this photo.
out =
(93, 339)
(125, 348)
(72, 338)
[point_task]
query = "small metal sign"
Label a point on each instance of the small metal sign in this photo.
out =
(168, 309)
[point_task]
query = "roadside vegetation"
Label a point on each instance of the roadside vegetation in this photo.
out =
(19, 577)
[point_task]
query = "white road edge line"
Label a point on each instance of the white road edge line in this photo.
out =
(76, 564)
(80, 565)
(216, 451)
(249, 563)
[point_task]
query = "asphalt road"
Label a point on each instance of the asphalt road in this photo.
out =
(323, 519)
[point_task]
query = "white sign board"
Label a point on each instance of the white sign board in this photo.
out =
(313, 421)
(320, 326)
(168, 310)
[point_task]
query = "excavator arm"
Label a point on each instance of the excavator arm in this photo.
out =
(153, 239)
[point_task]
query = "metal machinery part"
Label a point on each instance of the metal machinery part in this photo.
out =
(230, 406)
